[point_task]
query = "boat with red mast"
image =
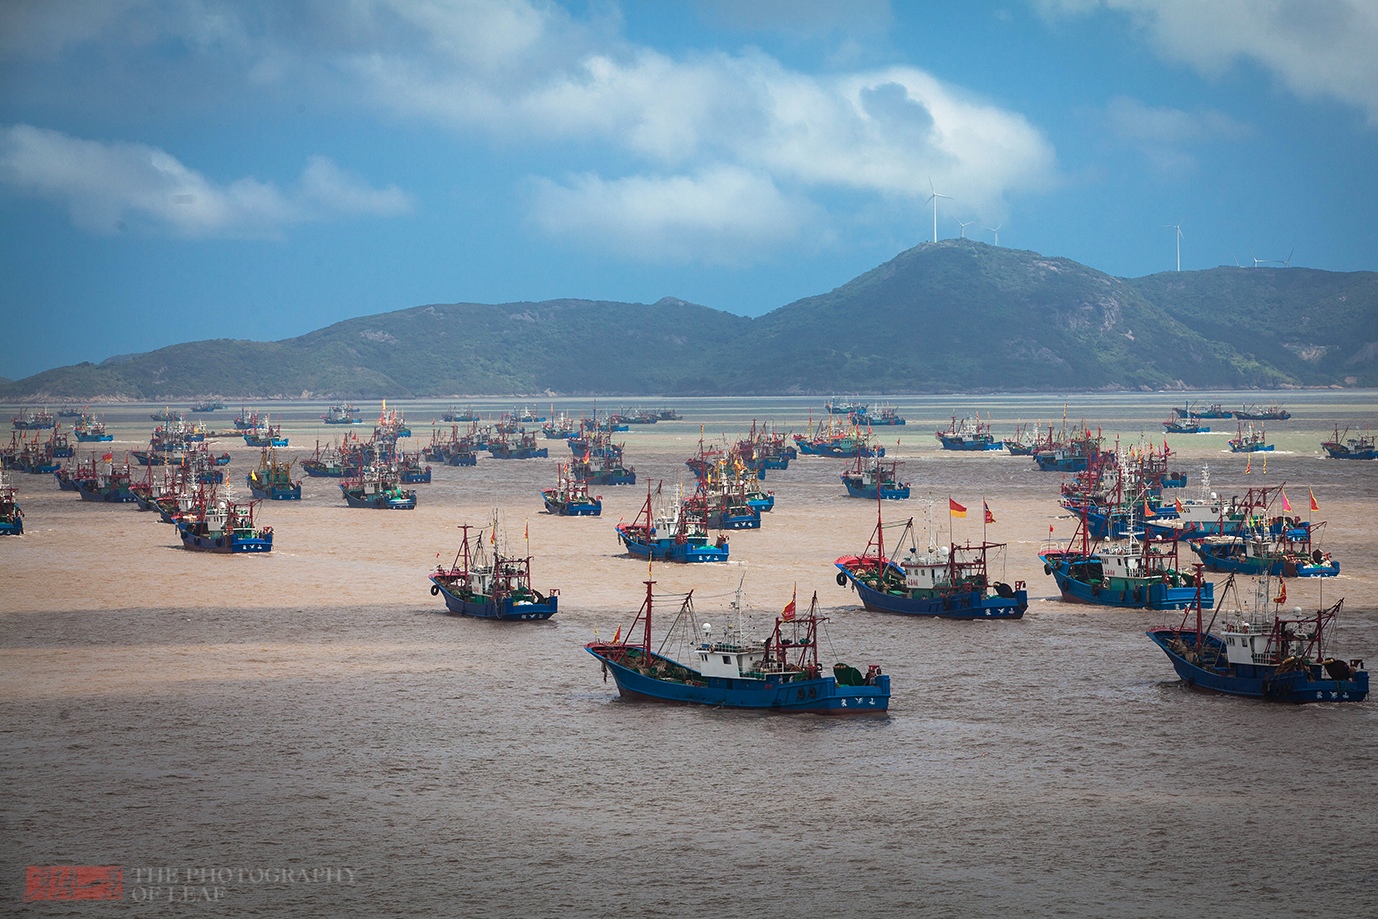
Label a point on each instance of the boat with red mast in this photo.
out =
(488, 584)
(779, 674)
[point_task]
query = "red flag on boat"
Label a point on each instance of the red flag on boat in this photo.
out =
(1148, 511)
(1286, 507)
(1282, 592)
(788, 614)
(1248, 465)
(955, 509)
(617, 635)
(108, 458)
(990, 518)
(1179, 505)
(1314, 505)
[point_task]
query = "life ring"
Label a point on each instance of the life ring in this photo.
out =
(435, 590)
(841, 579)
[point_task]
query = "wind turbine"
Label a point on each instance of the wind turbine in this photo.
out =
(964, 227)
(996, 231)
(1288, 263)
(1257, 261)
(1178, 227)
(934, 198)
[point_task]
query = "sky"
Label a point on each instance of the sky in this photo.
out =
(177, 171)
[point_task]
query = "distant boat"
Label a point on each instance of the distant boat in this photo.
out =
(877, 478)
(11, 516)
(484, 583)
(887, 416)
(273, 479)
(1250, 441)
(378, 487)
(1212, 411)
(1189, 426)
(1271, 656)
(1271, 412)
(341, 414)
(968, 435)
(570, 497)
(210, 405)
(778, 674)
(1361, 446)
(32, 420)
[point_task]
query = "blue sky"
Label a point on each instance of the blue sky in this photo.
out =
(173, 171)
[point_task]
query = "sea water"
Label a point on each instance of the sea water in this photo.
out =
(307, 733)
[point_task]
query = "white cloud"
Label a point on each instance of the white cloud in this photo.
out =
(1164, 135)
(526, 72)
(723, 214)
(1314, 47)
(107, 187)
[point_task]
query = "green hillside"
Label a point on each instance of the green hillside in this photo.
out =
(957, 315)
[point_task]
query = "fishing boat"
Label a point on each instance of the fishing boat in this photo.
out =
(166, 415)
(1068, 449)
(341, 414)
(330, 462)
(1258, 551)
(1021, 443)
(32, 420)
(210, 405)
(462, 415)
(1213, 411)
(1129, 574)
(886, 417)
(484, 583)
(103, 481)
(377, 487)
(247, 421)
(968, 434)
(1187, 426)
(950, 582)
(1250, 441)
(676, 534)
(1269, 655)
(668, 414)
(846, 407)
(224, 527)
(1271, 412)
(272, 480)
(877, 478)
(834, 439)
(570, 497)
(1361, 446)
(69, 411)
(265, 435)
(89, 430)
(601, 463)
(780, 673)
(523, 446)
(11, 516)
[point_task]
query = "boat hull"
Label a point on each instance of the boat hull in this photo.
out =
(1228, 557)
(860, 489)
(821, 696)
(379, 501)
(970, 605)
(668, 550)
(1257, 682)
(574, 508)
(12, 526)
(224, 544)
(1339, 451)
(1145, 593)
(505, 610)
(273, 491)
(120, 495)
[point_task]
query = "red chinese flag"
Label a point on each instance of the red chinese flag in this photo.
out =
(955, 509)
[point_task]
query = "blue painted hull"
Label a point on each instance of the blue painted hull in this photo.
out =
(1226, 559)
(417, 477)
(379, 501)
(1061, 464)
(761, 505)
(859, 489)
(971, 605)
(1343, 453)
(274, 492)
(462, 459)
(1143, 594)
(610, 477)
(498, 453)
(120, 495)
(12, 526)
(1258, 682)
(224, 544)
(64, 481)
(961, 443)
(821, 696)
(574, 508)
(1251, 448)
(667, 550)
(730, 521)
(94, 438)
(506, 610)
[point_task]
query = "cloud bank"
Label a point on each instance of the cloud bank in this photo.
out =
(110, 187)
(1315, 48)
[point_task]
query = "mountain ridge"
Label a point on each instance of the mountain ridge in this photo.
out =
(957, 315)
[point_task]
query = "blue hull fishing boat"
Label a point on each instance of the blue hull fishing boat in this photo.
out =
(1361, 447)
(1261, 555)
(225, 528)
(571, 498)
(779, 674)
(968, 435)
(1282, 660)
(496, 587)
(377, 488)
(876, 480)
(679, 536)
(272, 480)
(950, 582)
(11, 517)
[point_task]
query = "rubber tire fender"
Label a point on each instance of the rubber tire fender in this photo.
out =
(842, 579)
(435, 590)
